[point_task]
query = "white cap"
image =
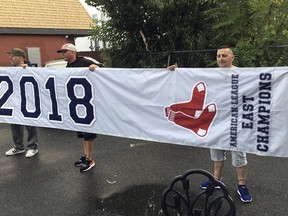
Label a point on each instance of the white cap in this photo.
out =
(67, 46)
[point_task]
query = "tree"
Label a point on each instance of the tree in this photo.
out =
(144, 33)
(256, 28)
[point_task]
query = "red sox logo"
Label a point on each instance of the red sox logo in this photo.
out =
(194, 114)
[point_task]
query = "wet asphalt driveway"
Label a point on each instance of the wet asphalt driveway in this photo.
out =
(128, 178)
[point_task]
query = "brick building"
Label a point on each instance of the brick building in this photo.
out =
(40, 27)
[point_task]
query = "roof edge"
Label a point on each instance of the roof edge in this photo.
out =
(45, 31)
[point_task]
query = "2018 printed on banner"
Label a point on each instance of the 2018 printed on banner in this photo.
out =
(29, 86)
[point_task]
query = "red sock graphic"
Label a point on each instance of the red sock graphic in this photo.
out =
(198, 125)
(192, 107)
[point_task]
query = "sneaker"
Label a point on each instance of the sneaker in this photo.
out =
(31, 153)
(81, 161)
(244, 194)
(204, 184)
(14, 151)
(87, 166)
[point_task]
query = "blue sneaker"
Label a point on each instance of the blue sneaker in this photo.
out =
(204, 184)
(244, 194)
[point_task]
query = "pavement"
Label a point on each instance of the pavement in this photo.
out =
(128, 179)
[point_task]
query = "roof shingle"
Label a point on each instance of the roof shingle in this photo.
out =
(54, 14)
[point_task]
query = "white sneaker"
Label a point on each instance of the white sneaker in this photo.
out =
(31, 153)
(14, 151)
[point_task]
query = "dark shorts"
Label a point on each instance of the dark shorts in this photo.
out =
(86, 136)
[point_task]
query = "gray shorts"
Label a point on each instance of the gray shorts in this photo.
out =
(238, 158)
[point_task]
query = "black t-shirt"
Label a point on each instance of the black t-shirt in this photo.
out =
(80, 62)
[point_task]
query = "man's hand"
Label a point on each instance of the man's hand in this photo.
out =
(93, 66)
(24, 65)
(172, 67)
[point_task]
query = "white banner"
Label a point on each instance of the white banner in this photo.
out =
(241, 109)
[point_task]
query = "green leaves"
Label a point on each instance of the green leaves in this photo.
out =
(146, 33)
(256, 27)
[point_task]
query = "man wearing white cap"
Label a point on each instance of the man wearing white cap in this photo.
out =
(69, 53)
